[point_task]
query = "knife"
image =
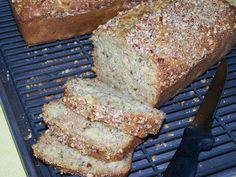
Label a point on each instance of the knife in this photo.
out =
(197, 137)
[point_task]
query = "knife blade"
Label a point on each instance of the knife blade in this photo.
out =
(205, 114)
(197, 137)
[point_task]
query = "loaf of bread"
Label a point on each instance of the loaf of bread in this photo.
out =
(69, 160)
(98, 102)
(42, 21)
(95, 139)
(156, 49)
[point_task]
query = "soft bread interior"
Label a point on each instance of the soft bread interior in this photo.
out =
(125, 69)
(96, 133)
(98, 93)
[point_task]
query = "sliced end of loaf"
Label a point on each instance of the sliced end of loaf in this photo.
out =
(124, 69)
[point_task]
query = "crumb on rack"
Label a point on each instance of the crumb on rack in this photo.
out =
(196, 100)
(154, 158)
(170, 134)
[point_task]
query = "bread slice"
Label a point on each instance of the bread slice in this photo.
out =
(95, 139)
(69, 160)
(159, 47)
(99, 102)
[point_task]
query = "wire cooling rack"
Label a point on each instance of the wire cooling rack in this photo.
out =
(32, 76)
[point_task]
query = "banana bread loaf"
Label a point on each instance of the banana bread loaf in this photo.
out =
(156, 49)
(98, 102)
(69, 160)
(95, 139)
(42, 21)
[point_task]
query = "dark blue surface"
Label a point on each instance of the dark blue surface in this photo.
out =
(32, 76)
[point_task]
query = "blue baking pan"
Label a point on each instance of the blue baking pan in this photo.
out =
(32, 76)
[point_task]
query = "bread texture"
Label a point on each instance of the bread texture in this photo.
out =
(156, 49)
(98, 102)
(69, 160)
(42, 21)
(95, 139)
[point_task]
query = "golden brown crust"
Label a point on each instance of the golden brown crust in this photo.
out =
(31, 9)
(224, 45)
(45, 29)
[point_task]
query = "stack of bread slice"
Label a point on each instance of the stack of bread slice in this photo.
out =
(94, 129)
(150, 53)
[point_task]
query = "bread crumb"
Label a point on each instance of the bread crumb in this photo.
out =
(196, 100)
(66, 71)
(48, 61)
(27, 137)
(190, 119)
(194, 109)
(161, 144)
(154, 158)
(59, 46)
(182, 103)
(8, 76)
(188, 111)
(170, 134)
(45, 49)
(166, 126)
(203, 81)
(191, 92)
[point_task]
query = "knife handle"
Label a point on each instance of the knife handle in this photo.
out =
(185, 161)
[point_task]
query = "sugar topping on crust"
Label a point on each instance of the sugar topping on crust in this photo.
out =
(57, 8)
(175, 34)
(178, 30)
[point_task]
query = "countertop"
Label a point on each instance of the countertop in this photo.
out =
(10, 163)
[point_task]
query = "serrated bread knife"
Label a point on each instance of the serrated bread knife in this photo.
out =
(198, 137)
